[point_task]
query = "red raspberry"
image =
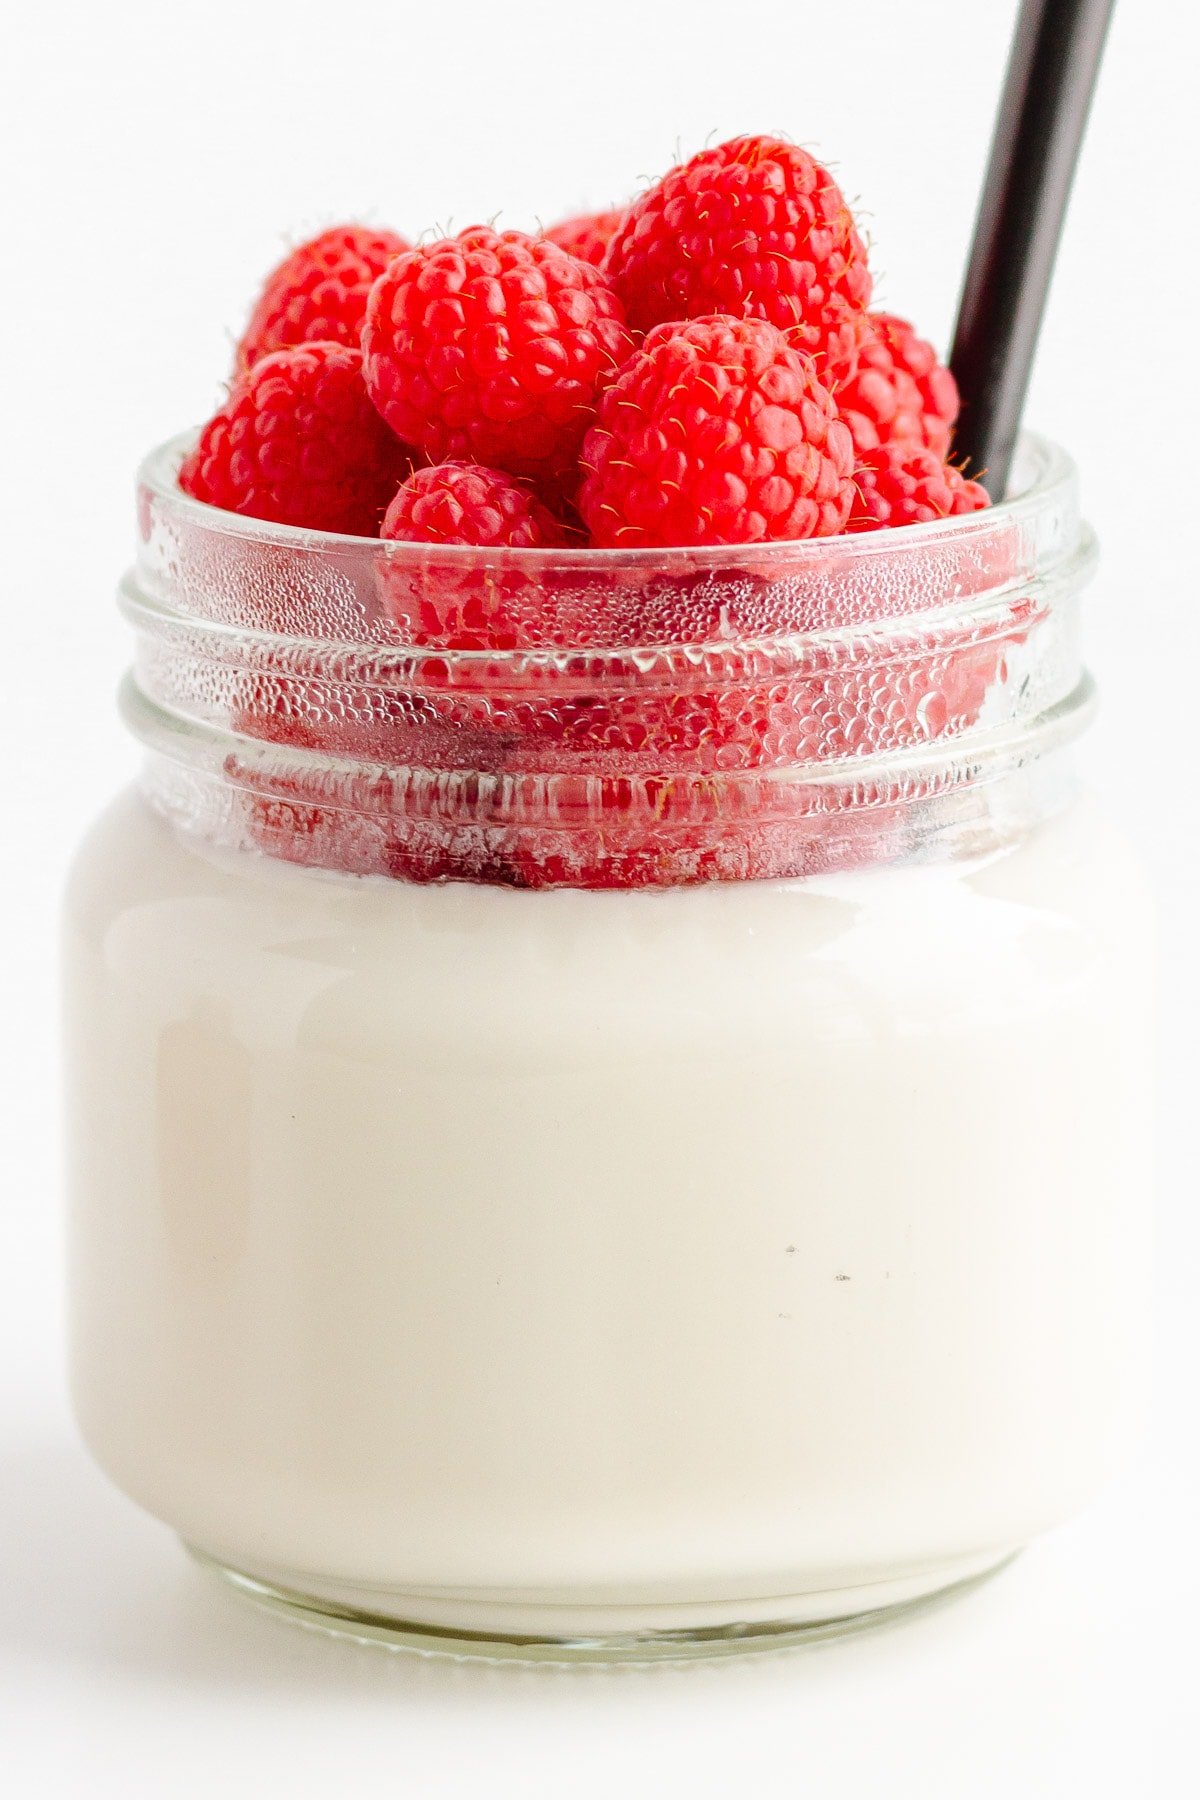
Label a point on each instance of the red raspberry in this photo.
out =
(587, 235)
(716, 432)
(752, 227)
(937, 386)
(492, 347)
(470, 603)
(298, 442)
(462, 503)
(319, 291)
(903, 484)
(890, 386)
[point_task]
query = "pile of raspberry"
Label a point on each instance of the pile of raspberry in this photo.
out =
(700, 368)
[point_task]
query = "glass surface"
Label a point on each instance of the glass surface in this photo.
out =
(658, 717)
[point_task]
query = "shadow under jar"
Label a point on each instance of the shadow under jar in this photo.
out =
(613, 1150)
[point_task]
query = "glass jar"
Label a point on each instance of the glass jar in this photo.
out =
(631, 1148)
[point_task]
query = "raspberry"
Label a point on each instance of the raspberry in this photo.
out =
(319, 291)
(492, 347)
(935, 383)
(903, 484)
(468, 603)
(587, 235)
(462, 503)
(298, 442)
(890, 386)
(753, 227)
(715, 432)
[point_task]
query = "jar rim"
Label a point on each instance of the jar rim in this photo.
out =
(1044, 473)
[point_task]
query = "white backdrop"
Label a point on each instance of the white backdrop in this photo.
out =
(154, 159)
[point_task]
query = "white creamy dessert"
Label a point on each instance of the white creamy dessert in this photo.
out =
(581, 1263)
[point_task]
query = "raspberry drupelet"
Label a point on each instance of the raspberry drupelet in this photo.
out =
(298, 442)
(716, 431)
(492, 347)
(319, 291)
(756, 227)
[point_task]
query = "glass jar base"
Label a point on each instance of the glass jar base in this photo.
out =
(792, 1620)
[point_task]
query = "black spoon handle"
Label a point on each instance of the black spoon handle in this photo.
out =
(1052, 69)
